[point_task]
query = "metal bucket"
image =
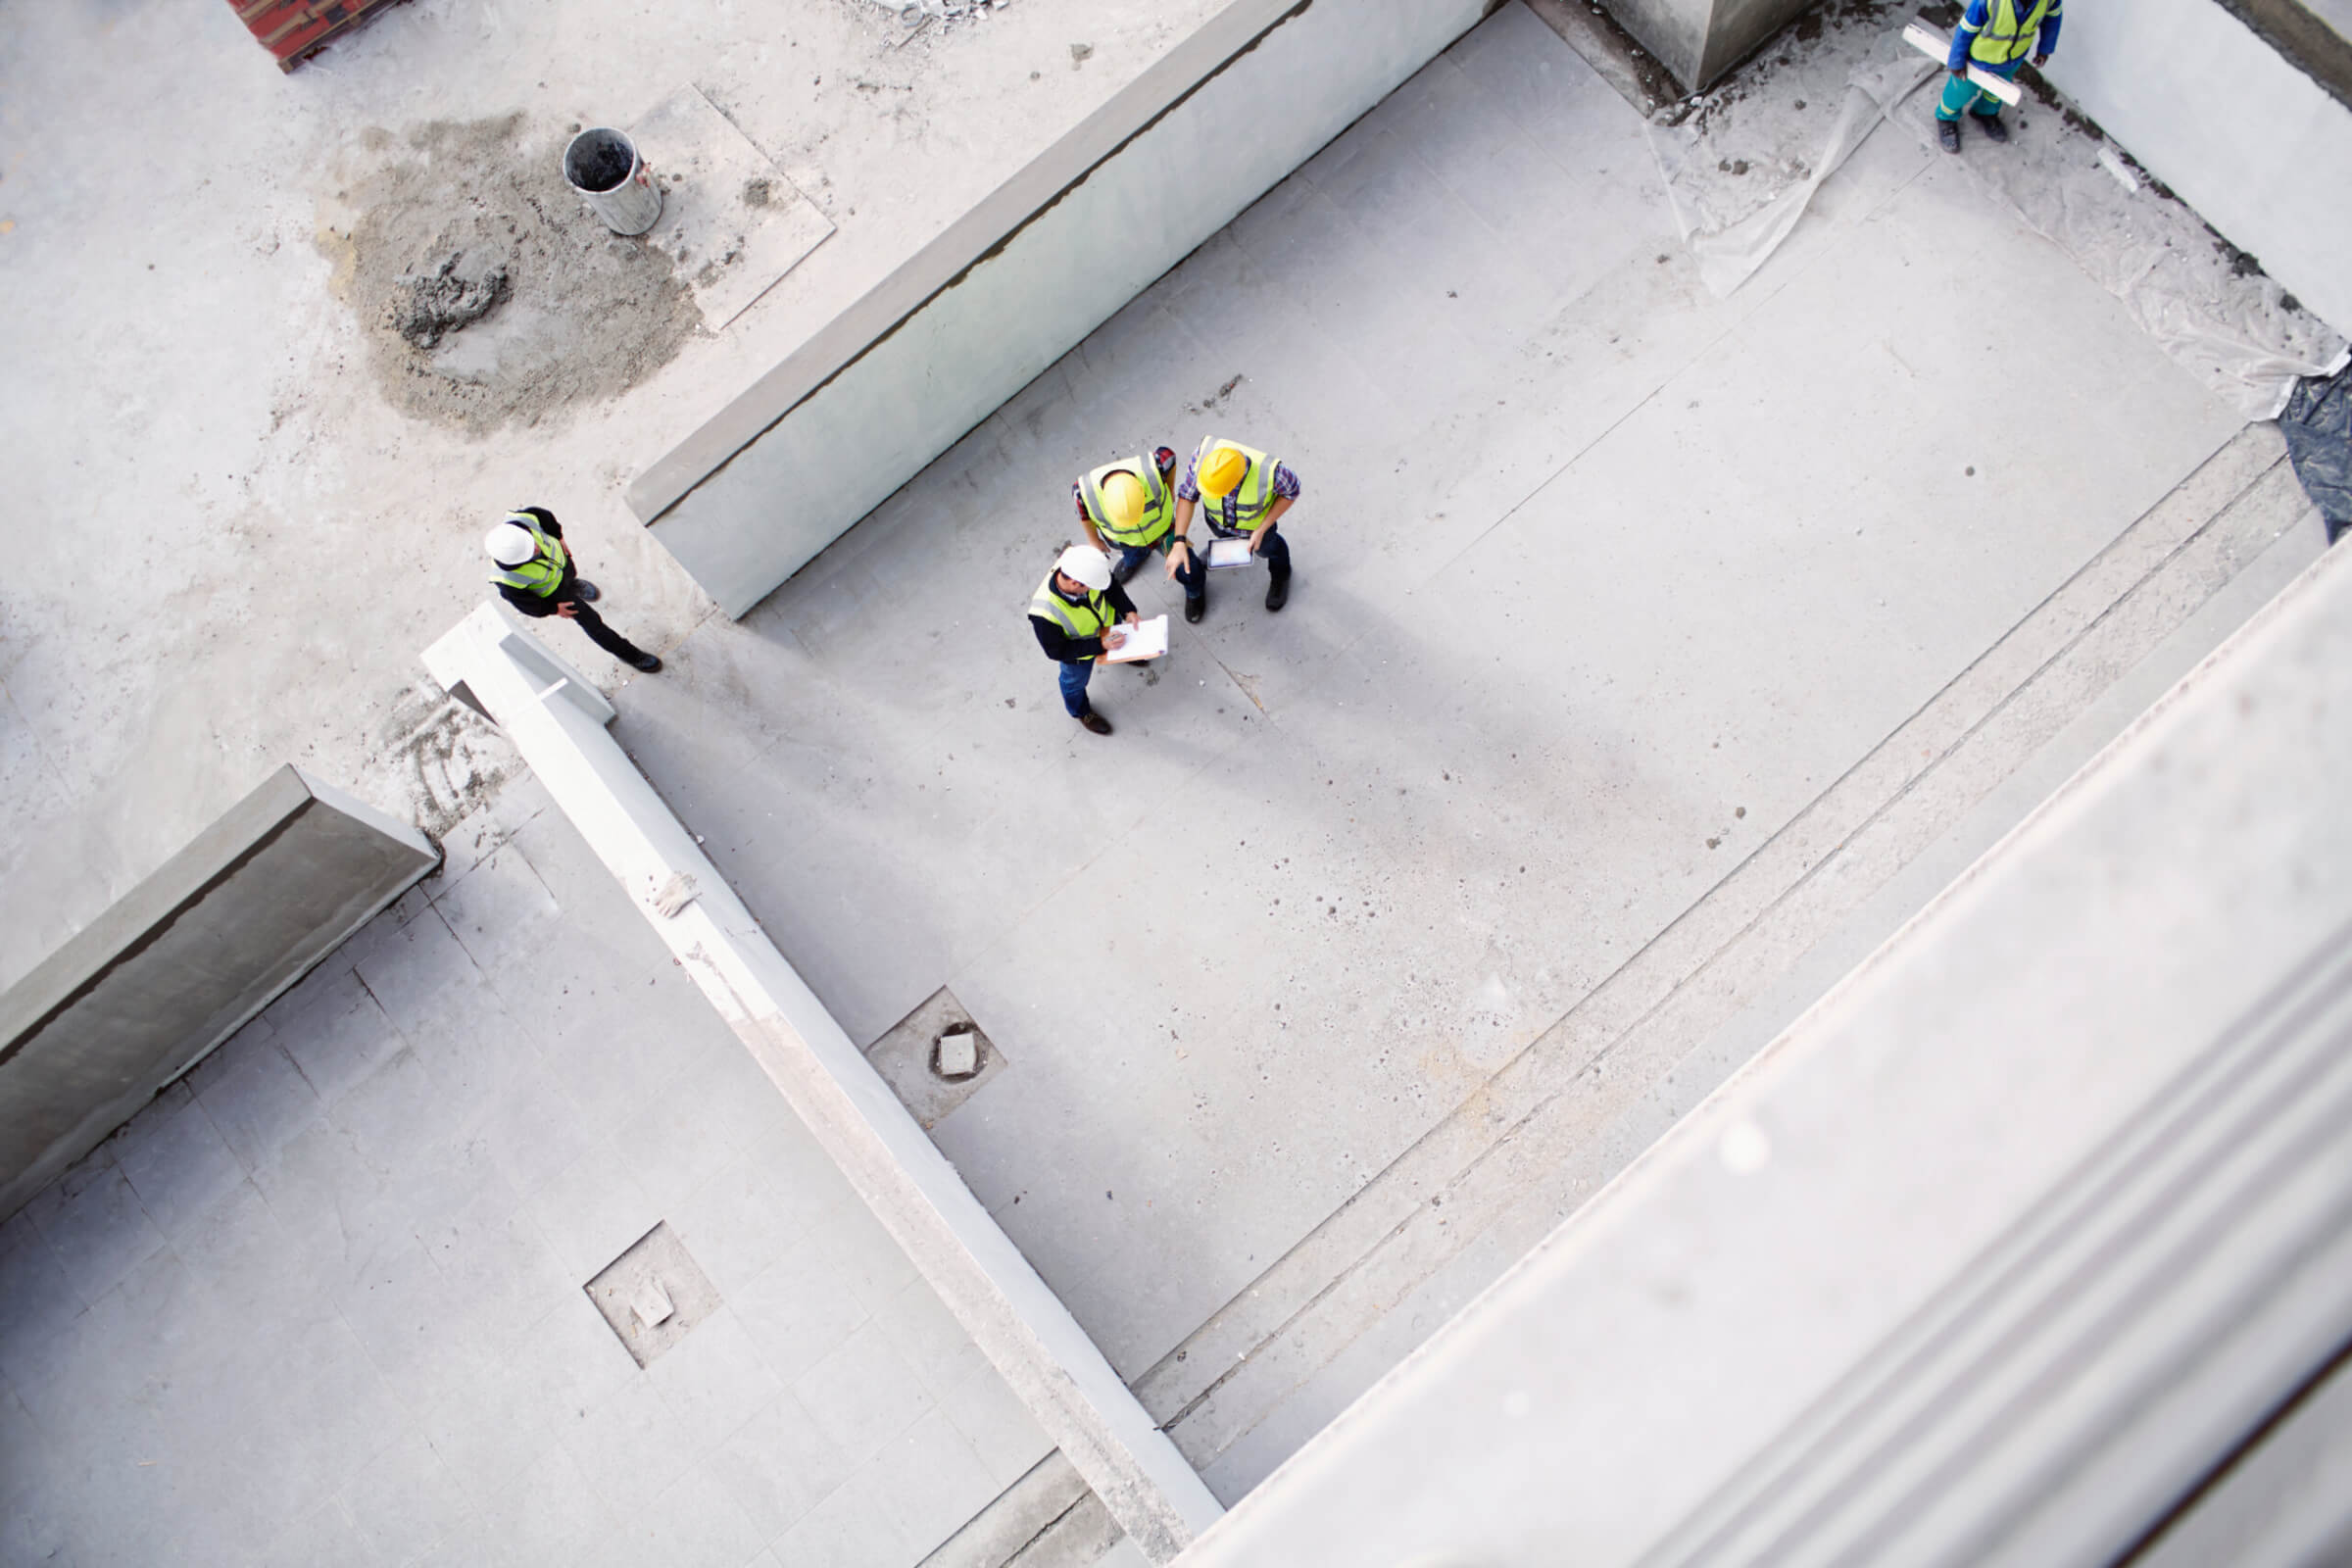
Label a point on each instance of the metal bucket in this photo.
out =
(602, 165)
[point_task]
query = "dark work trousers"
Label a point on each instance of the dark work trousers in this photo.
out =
(611, 642)
(1273, 547)
(1192, 576)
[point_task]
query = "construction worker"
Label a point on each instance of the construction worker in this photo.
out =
(1241, 491)
(1080, 614)
(1995, 36)
(536, 576)
(1126, 508)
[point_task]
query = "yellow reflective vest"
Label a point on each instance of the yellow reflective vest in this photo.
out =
(1159, 503)
(543, 571)
(1089, 619)
(1252, 497)
(2009, 33)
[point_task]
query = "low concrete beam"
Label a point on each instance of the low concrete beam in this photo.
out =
(1057, 250)
(556, 720)
(180, 963)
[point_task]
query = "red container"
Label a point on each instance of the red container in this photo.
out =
(293, 29)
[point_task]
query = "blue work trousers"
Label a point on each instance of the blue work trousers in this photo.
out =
(1075, 674)
(1192, 576)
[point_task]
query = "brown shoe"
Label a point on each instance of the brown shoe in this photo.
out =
(1095, 721)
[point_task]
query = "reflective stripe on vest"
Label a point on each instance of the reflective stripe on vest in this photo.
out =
(1252, 497)
(2008, 35)
(1088, 619)
(1160, 504)
(543, 571)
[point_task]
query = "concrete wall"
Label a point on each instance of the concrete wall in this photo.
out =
(1699, 40)
(941, 344)
(182, 960)
(2256, 146)
(556, 720)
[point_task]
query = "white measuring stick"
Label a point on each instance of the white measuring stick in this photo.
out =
(1928, 42)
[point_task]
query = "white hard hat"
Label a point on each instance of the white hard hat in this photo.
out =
(509, 544)
(1086, 565)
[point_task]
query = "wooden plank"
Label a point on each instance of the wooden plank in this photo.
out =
(1924, 37)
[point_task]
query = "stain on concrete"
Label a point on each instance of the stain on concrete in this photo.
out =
(488, 293)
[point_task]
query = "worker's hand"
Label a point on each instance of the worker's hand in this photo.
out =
(1114, 637)
(2040, 61)
(567, 610)
(1178, 554)
(1254, 538)
(1135, 617)
(1960, 74)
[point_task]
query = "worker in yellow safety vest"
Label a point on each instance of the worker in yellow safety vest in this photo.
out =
(1241, 491)
(1996, 37)
(1079, 613)
(536, 575)
(1128, 507)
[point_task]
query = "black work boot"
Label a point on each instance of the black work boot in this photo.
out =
(586, 592)
(1278, 592)
(1195, 607)
(1095, 721)
(1948, 132)
(1993, 127)
(647, 662)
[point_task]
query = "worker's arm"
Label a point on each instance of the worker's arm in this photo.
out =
(2048, 44)
(1286, 493)
(526, 602)
(1963, 37)
(1121, 603)
(1086, 520)
(1060, 645)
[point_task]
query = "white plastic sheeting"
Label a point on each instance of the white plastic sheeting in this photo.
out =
(1739, 178)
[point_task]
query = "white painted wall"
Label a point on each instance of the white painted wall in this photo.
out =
(556, 720)
(841, 452)
(2240, 135)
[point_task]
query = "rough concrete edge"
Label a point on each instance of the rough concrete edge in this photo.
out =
(983, 230)
(1603, 47)
(1720, 59)
(1024, 1329)
(1020, 1514)
(136, 919)
(2304, 40)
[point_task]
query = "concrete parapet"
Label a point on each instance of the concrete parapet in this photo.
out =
(181, 962)
(556, 720)
(1699, 40)
(1017, 281)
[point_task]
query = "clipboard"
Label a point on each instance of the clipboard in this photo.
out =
(1145, 639)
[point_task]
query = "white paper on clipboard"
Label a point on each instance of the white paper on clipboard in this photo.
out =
(1148, 638)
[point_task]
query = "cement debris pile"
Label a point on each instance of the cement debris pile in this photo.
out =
(489, 294)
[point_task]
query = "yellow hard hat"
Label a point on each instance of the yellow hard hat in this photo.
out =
(1222, 473)
(1124, 498)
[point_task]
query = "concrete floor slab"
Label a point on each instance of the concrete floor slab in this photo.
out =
(1655, 591)
(353, 1328)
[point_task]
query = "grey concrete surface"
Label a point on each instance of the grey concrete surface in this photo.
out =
(1992, 1255)
(183, 961)
(1602, 582)
(987, 1286)
(194, 371)
(323, 1302)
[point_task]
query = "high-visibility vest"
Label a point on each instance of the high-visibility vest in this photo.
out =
(543, 571)
(1252, 497)
(1160, 504)
(1090, 618)
(2009, 33)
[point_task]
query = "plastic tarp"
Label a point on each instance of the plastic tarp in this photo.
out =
(2317, 422)
(1741, 169)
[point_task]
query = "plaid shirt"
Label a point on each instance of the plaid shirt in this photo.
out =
(1222, 512)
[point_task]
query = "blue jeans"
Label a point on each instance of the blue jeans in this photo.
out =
(1192, 576)
(1075, 674)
